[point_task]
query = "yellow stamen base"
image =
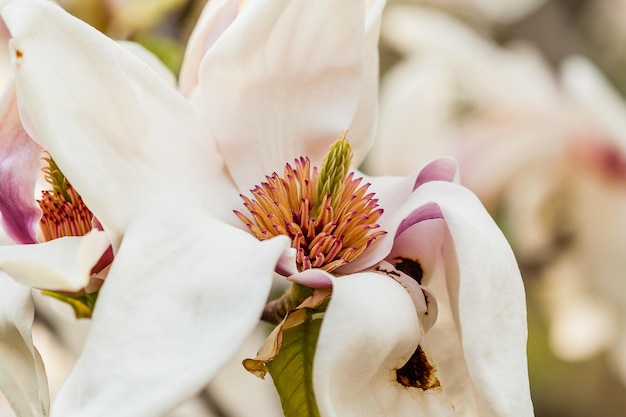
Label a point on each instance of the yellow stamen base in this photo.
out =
(338, 234)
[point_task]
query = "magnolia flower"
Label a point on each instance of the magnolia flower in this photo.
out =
(268, 82)
(543, 150)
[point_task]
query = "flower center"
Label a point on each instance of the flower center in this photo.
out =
(64, 213)
(328, 215)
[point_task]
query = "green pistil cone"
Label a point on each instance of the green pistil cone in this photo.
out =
(334, 170)
(56, 179)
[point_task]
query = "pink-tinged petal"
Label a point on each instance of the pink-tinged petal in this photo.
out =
(20, 160)
(392, 192)
(312, 278)
(60, 264)
(441, 169)
(215, 18)
(283, 81)
(22, 374)
(422, 244)
(405, 204)
(116, 129)
(287, 265)
(183, 293)
(487, 311)
(369, 330)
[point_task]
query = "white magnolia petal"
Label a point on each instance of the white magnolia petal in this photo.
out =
(369, 330)
(150, 59)
(183, 293)
(22, 374)
(60, 264)
(488, 305)
(86, 95)
(216, 16)
(251, 396)
(363, 126)
(283, 81)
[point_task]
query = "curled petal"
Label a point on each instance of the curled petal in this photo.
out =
(278, 58)
(22, 374)
(215, 18)
(440, 169)
(370, 329)
(486, 324)
(61, 264)
(287, 263)
(182, 295)
(405, 204)
(312, 278)
(393, 192)
(20, 159)
(418, 211)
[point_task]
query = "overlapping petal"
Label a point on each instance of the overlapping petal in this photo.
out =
(166, 322)
(22, 374)
(60, 264)
(215, 18)
(283, 81)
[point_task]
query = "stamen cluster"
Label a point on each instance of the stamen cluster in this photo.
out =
(64, 214)
(327, 231)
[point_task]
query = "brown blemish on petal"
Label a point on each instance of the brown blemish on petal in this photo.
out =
(387, 272)
(19, 57)
(418, 372)
(410, 267)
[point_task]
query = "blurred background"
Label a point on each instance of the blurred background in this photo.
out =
(528, 95)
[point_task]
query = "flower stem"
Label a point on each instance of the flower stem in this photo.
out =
(276, 310)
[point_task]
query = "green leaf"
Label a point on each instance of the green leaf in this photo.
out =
(292, 369)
